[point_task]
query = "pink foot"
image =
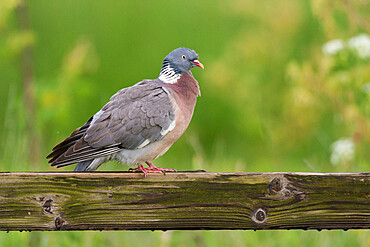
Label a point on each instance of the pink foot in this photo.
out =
(152, 168)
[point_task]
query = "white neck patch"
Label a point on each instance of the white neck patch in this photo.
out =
(168, 75)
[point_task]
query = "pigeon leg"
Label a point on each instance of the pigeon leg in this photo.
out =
(140, 168)
(154, 168)
(151, 168)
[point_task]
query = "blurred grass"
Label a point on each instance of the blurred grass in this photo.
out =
(272, 99)
(188, 238)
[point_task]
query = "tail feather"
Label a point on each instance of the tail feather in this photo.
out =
(82, 166)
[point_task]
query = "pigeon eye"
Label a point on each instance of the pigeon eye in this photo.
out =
(183, 57)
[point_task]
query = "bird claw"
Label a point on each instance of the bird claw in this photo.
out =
(151, 168)
(164, 170)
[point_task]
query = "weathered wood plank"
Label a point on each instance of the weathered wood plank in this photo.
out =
(182, 200)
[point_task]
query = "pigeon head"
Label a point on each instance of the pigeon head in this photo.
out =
(183, 59)
(177, 62)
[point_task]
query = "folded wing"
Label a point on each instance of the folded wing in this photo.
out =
(133, 118)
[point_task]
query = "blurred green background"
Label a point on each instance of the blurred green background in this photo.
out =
(286, 88)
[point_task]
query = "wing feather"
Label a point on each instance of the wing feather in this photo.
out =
(133, 118)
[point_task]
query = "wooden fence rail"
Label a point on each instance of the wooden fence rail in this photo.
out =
(183, 200)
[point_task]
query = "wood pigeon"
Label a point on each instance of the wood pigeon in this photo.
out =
(139, 123)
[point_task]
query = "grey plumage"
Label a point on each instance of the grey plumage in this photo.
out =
(134, 119)
(82, 166)
(132, 115)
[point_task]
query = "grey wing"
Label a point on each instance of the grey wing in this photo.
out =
(134, 117)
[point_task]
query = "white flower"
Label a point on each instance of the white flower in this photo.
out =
(366, 87)
(361, 44)
(343, 151)
(332, 47)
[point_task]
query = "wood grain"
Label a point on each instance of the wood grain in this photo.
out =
(183, 200)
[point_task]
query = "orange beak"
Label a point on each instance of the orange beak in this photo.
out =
(197, 63)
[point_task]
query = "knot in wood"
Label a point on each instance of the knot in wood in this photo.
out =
(59, 221)
(47, 206)
(259, 216)
(275, 185)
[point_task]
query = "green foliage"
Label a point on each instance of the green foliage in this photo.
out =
(275, 95)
